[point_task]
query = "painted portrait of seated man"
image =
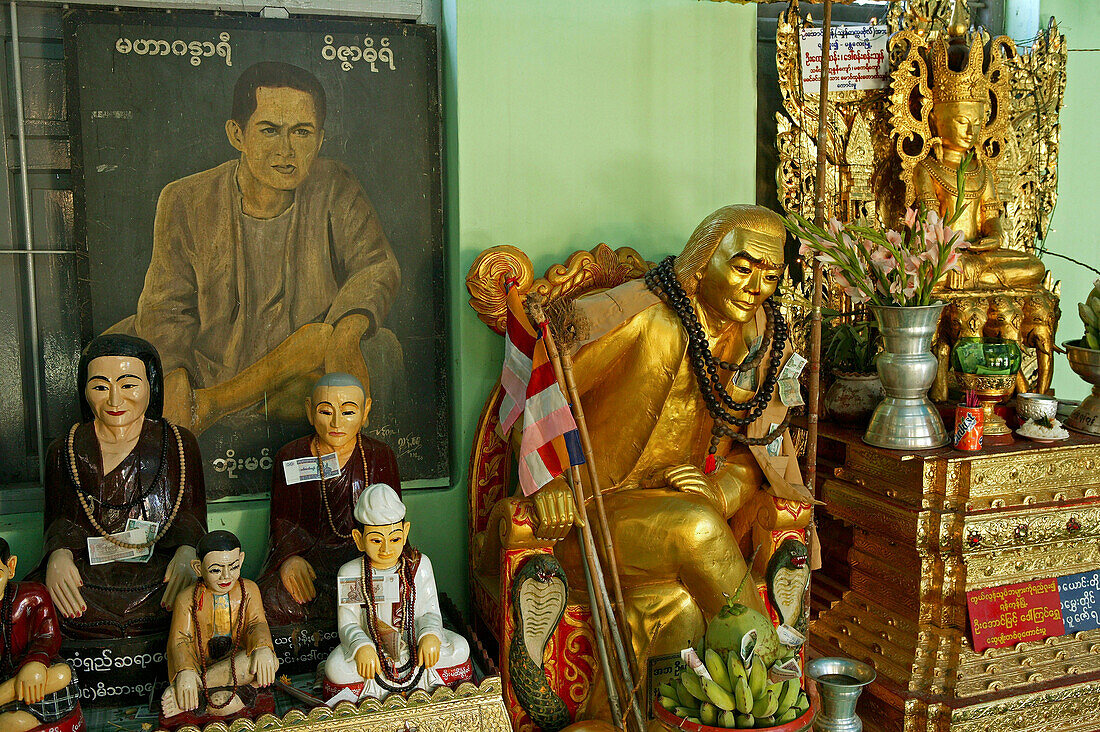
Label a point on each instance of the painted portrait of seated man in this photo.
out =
(269, 269)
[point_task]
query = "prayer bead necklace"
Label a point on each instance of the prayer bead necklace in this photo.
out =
(80, 493)
(235, 638)
(324, 484)
(390, 671)
(663, 282)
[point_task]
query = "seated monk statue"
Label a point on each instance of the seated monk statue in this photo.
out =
(312, 521)
(391, 630)
(37, 689)
(960, 105)
(219, 647)
(125, 500)
(677, 375)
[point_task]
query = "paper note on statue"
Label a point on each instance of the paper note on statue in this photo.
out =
(792, 369)
(775, 446)
(387, 589)
(344, 694)
(309, 468)
(790, 393)
(149, 530)
(102, 551)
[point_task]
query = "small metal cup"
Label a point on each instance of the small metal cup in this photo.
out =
(839, 681)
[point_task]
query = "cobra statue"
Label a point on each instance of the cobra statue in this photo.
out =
(539, 591)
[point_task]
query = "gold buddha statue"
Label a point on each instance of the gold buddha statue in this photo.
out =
(967, 115)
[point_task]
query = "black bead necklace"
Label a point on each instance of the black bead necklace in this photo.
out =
(663, 282)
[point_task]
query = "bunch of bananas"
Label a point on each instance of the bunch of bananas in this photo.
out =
(733, 697)
(1090, 313)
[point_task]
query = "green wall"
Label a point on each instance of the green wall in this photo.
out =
(575, 122)
(567, 123)
(1074, 226)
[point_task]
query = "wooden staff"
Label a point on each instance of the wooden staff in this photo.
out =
(563, 365)
(819, 219)
(599, 614)
(597, 492)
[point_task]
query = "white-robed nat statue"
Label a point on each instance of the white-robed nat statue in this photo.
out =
(391, 630)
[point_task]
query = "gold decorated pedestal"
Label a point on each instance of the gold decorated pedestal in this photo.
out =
(906, 535)
(469, 707)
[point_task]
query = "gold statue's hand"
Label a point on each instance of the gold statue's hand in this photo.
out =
(986, 244)
(30, 682)
(366, 662)
(554, 510)
(690, 479)
(343, 353)
(427, 651)
(297, 576)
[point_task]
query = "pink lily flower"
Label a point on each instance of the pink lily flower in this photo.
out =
(910, 217)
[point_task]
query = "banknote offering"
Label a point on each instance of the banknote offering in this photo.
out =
(150, 529)
(102, 551)
(309, 468)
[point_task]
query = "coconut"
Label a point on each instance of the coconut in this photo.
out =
(733, 621)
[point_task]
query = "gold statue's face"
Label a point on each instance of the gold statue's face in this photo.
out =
(958, 124)
(382, 544)
(742, 274)
(117, 390)
(337, 413)
(281, 139)
(219, 571)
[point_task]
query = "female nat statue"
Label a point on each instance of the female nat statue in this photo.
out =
(125, 499)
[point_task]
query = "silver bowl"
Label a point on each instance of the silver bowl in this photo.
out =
(1085, 362)
(1036, 406)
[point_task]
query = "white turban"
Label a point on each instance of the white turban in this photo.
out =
(379, 505)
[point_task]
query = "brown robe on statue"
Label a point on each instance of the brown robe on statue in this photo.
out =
(300, 526)
(123, 598)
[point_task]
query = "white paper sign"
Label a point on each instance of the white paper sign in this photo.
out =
(857, 58)
(303, 469)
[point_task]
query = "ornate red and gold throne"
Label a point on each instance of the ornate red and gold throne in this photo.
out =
(502, 526)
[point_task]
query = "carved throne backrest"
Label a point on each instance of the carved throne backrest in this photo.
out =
(583, 272)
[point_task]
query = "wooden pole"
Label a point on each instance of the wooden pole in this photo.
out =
(819, 219)
(563, 371)
(599, 609)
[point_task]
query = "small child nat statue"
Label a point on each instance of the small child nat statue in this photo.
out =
(37, 690)
(219, 647)
(391, 630)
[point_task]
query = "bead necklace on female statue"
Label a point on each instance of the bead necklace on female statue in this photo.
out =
(125, 500)
(312, 518)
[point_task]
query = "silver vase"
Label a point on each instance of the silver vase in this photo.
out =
(839, 682)
(906, 418)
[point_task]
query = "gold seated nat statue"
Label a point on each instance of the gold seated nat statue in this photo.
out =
(686, 502)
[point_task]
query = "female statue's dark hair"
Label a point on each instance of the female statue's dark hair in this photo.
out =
(117, 344)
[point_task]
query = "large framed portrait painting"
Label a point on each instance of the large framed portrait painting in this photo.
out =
(261, 201)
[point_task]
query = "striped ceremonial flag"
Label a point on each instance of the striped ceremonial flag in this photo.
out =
(519, 348)
(550, 442)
